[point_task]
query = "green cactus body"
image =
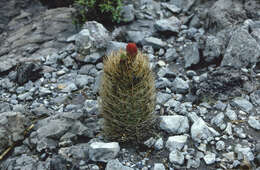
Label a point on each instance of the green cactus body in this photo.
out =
(127, 97)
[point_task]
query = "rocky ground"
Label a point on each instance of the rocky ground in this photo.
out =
(205, 56)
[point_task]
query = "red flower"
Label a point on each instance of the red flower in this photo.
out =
(131, 49)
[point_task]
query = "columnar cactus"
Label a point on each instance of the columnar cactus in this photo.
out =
(127, 96)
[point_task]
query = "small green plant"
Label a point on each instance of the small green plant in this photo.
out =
(99, 10)
(128, 96)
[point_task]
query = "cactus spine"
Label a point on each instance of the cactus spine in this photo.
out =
(127, 96)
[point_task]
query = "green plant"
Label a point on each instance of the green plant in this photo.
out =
(127, 96)
(99, 10)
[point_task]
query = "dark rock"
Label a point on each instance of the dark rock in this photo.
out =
(28, 71)
(219, 82)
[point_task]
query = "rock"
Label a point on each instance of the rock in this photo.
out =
(256, 35)
(254, 122)
(244, 153)
(180, 86)
(176, 157)
(127, 13)
(114, 164)
(28, 71)
(158, 144)
(162, 98)
(242, 104)
(223, 81)
(176, 142)
(53, 129)
(166, 72)
(170, 55)
(12, 127)
(231, 114)
(114, 46)
(172, 103)
(171, 24)
(162, 83)
(83, 80)
(220, 145)
(158, 166)
(171, 7)
(67, 87)
(93, 38)
(150, 142)
(174, 124)
(200, 131)
(33, 37)
(191, 54)
(222, 13)
(91, 107)
(75, 152)
(220, 106)
(242, 50)
(255, 97)
(218, 120)
(103, 152)
(156, 43)
(229, 156)
(213, 49)
(209, 158)
(46, 144)
(135, 36)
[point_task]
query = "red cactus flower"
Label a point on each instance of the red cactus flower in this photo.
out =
(131, 49)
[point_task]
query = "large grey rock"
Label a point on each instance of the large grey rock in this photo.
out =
(116, 165)
(191, 54)
(242, 104)
(223, 14)
(53, 129)
(35, 36)
(174, 124)
(103, 152)
(242, 50)
(92, 38)
(171, 24)
(201, 131)
(12, 127)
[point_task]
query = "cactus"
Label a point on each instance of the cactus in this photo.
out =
(127, 96)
